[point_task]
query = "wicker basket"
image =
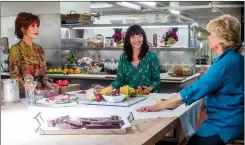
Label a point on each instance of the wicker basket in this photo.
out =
(85, 18)
(74, 17)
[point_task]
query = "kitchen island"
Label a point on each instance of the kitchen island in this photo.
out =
(148, 128)
(168, 85)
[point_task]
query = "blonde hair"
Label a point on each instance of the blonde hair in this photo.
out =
(228, 30)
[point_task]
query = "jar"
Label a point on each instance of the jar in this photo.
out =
(186, 70)
(99, 40)
(177, 70)
(97, 57)
(109, 42)
(165, 68)
(106, 67)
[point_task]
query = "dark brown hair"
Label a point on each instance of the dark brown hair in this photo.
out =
(24, 20)
(135, 30)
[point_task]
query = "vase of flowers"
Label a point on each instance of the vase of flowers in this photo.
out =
(118, 36)
(170, 37)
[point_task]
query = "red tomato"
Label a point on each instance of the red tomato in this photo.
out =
(98, 99)
(98, 96)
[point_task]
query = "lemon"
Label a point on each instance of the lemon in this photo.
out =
(127, 90)
(159, 101)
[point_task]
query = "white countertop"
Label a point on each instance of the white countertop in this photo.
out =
(18, 126)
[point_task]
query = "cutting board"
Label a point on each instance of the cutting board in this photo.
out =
(125, 103)
(173, 78)
(46, 130)
(70, 87)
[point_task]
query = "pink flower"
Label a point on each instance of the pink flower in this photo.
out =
(117, 36)
(175, 36)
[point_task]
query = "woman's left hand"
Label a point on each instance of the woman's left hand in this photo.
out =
(52, 86)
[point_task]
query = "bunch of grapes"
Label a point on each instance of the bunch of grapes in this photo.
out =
(115, 92)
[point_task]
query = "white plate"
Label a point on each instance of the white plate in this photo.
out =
(130, 21)
(58, 100)
(116, 21)
(114, 99)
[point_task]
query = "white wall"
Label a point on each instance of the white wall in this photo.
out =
(13, 8)
(49, 14)
(49, 36)
(79, 7)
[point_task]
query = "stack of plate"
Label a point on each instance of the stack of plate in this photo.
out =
(116, 21)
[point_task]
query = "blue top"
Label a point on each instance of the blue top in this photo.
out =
(223, 86)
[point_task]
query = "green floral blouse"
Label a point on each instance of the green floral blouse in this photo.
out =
(147, 72)
(22, 55)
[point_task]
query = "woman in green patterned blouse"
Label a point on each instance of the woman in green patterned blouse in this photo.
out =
(138, 66)
(25, 53)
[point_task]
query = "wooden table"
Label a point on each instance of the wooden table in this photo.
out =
(18, 128)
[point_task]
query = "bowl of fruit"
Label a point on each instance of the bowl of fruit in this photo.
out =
(96, 70)
(114, 97)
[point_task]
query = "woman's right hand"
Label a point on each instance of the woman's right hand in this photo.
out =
(52, 86)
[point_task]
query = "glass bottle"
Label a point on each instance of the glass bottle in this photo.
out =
(29, 90)
(116, 66)
(109, 68)
(106, 67)
(113, 68)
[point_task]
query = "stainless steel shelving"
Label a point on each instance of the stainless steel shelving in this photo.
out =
(192, 28)
(86, 26)
(120, 48)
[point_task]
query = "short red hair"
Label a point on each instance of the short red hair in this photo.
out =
(24, 20)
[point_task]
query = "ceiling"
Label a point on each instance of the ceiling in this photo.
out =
(188, 9)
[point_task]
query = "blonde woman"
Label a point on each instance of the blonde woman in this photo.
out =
(222, 85)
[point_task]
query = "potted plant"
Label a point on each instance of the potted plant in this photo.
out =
(71, 59)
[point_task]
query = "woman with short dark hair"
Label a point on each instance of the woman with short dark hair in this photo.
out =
(138, 66)
(26, 54)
